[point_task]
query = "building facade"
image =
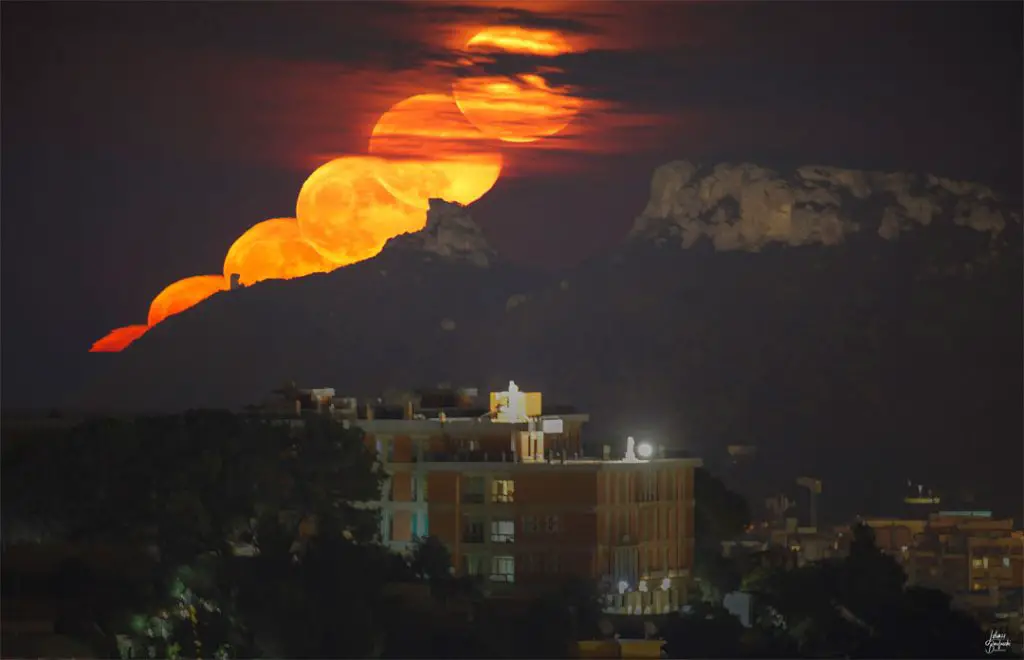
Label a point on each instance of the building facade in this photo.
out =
(506, 486)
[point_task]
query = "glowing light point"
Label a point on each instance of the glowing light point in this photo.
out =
(623, 586)
(666, 584)
(642, 586)
(645, 450)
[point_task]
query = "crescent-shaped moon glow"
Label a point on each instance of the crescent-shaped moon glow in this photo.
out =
(433, 152)
(347, 215)
(273, 249)
(185, 293)
(520, 108)
(118, 339)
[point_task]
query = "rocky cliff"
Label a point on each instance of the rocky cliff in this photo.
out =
(747, 207)
(450, 234)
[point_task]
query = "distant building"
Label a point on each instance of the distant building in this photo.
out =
(505, 485)
(977, 559)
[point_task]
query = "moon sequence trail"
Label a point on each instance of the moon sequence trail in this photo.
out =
(431, 145)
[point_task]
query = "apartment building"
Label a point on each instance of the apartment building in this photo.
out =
(626, 523)
(506, 486)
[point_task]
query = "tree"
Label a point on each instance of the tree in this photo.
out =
(859, 606)
(430, 559)
(199, 485)
(719, 515)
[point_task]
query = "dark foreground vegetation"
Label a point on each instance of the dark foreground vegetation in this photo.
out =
(210, 534)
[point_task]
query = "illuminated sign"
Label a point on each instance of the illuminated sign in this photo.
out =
(513, 406)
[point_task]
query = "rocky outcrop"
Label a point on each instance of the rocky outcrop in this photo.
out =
(747, 207)
(450, 233)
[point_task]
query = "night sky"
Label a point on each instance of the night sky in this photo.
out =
(140, 139)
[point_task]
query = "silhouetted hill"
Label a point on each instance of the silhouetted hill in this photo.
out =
(857, 360)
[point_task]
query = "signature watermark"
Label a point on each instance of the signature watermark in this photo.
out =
(998, 642)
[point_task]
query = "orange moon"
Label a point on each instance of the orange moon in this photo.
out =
(273, 250)
(347, 215)
(520, 108)
(433, 152)
(181, 295)
(118, 339)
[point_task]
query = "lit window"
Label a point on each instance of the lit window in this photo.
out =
(976, 563)
(503, 490)
(553, 524)
(503, 531)
(1006, 562)
(984, 562)
(503, 569)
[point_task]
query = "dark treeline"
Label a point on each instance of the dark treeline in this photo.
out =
(218, 535)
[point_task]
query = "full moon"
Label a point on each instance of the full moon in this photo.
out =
(517, 108)
(118, 339)
(185, 293)
(273, 250)
(347, 215)
(433, 152)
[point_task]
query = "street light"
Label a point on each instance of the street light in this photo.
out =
(645, 450)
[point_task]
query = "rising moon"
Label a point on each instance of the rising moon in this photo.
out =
(519, 108)
(347, 215)
(273, 250)
(185, 293)
(118, 339)
(433, 152)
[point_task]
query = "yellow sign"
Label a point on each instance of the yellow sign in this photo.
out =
(513, 406)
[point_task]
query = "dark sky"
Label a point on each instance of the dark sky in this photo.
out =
(139, 139)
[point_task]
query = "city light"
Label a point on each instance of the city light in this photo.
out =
(623, 586)
(642, 586)
(645, 450)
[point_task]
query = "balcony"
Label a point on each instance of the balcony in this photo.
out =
(477, 456)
